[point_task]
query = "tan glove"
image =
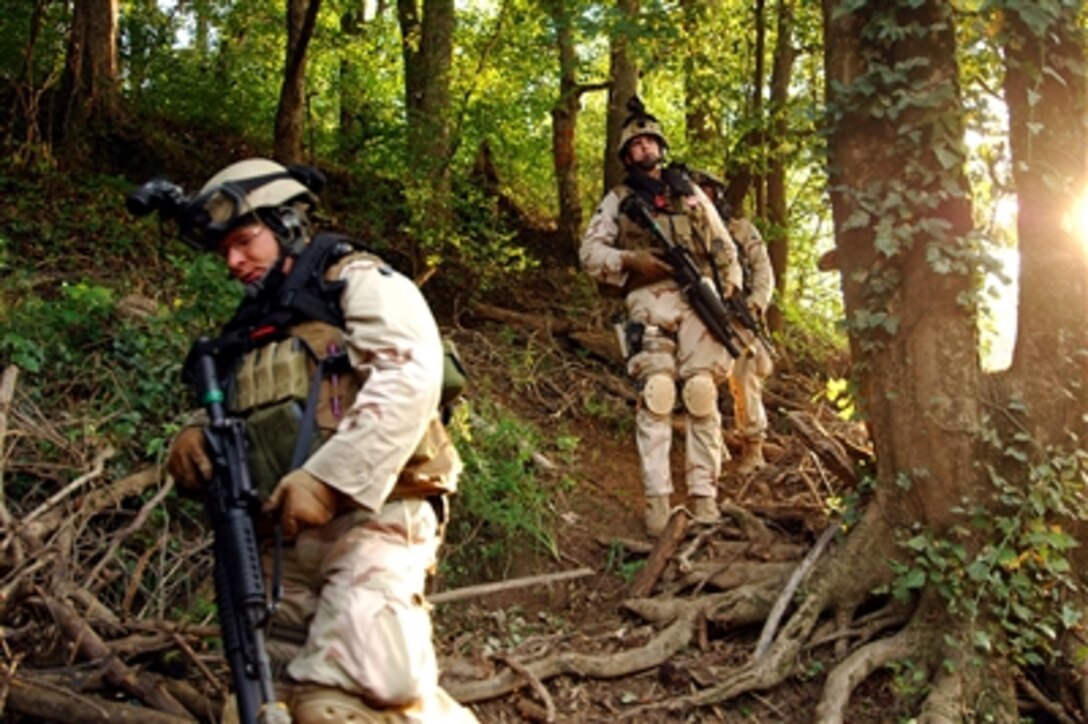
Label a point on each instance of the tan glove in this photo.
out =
(188, 461)
(645, 267)
(303, 502)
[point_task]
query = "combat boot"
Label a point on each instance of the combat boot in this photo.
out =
(657, 514)
(327, 705)
(705, 510)
(751, 458)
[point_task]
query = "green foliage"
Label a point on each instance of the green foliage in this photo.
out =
(908, 679)
(841, 394)
(619, 563)
(502, 504)
(69, 330)
(1007, 567)
(481, 246)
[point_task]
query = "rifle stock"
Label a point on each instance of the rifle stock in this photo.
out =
(701, 294)
(231, 503)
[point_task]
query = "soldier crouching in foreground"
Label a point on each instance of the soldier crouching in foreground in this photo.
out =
(334, 362)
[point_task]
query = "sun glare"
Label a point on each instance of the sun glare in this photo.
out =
(1078, 219)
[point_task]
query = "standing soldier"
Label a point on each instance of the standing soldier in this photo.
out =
(755, 363)
(669, 346)
(330, 340)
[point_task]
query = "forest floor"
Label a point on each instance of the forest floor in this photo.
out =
(78, 627)
(599, 521)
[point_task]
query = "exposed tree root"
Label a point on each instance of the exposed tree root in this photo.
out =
(845, 678)
(663, 646)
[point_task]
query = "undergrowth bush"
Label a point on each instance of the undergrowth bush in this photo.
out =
(100, 371)
(504, 508)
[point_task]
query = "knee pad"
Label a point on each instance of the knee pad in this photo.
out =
(700, 395)
(659, 393)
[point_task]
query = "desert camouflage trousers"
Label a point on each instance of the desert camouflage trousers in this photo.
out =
(352, 614)
(746, 386)
(678, 345)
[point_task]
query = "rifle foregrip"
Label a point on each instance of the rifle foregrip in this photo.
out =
(236, 539)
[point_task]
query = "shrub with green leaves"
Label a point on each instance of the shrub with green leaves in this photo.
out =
(1010, 574)
(502, 505)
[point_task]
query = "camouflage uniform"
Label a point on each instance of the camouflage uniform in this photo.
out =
(353, 615)
(676, 345)
(754, 364)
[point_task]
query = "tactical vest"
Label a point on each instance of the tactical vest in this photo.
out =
(278, 346)
(682, 220)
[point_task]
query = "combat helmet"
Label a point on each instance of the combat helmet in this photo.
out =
(278, 196)
(706, 178)
(639, 122)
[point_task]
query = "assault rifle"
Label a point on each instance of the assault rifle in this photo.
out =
(701, 294)
(231, 504)
(740, 311)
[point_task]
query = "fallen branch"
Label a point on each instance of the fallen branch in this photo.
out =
(824, 446)
(659, 558)
(484, 589)
(120, 537)
(536, 684)
(535, 322)
(7, 394)
(50, 703)
(779, 608)
(97, 467)
(98, 500)
(88, 643)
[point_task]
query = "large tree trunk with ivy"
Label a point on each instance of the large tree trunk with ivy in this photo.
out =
(1045, 86)
(291, 112)
(1043, 397)
(427, 48)
(91, 74)
(623, 75)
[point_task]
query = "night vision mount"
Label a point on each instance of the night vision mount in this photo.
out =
(160, 195)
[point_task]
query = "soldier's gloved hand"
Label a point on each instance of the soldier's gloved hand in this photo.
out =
(188, 461)
(646, 267)
(303, 502)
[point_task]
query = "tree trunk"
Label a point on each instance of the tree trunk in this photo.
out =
(914, 342)
(744, 171)
(91, 69)
(778, 240)
(564, 128)
(1045, 90)
(624, 77)
(291, 111)
(350, 118)
(427, 48)
(700, 116)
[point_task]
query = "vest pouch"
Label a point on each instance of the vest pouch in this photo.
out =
(270, 374)
(454, 377)
(271, 433)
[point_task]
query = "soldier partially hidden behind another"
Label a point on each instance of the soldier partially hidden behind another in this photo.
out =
(754, 364)
(672, 346)
(365, 510)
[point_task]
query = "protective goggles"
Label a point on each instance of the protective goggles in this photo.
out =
(212, 214)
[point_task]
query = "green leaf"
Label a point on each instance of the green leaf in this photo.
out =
(947, 158)
(914, 579)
